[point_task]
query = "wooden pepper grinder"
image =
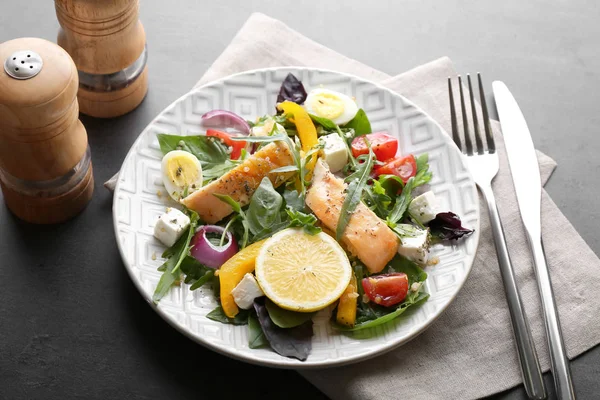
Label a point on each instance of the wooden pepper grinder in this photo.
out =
(108, 44)
(45, 162)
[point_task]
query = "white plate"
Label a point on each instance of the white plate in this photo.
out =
(137, 206)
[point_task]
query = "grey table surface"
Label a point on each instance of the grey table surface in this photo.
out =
(73, 325)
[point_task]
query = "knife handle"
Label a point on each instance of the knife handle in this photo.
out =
(530, 367)
(556, 345)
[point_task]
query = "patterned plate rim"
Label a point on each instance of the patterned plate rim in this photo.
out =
(292, 363)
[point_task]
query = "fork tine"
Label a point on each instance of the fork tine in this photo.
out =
(468, 142)
(455, 135)
(486, 118)
(478, 142)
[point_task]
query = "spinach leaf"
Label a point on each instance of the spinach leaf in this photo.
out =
(192, 268)
(448, 226)
(324, 122)
(293, 200)
(392, 184)
(264, 207)
(210, 152)
(217, 170)
(219, 315)
(286, 318)
(204, 279)
(291, 90)
(354, 191)
(177, 254)
(293, 342)
(270, 231)
(360, 123)
(256, 336)
(411, 269)
(382, 318)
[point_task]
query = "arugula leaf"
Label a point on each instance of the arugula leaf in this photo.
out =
(360, 123)
(238, 209)
(286, 318)
(377, 199)
(256, 336)
(298, 219)
(264, 207)
(293, 342)
(210, 152)
(219, 315)
(285, 168)
(178, 253)
(260, 139)
(352, 164)
(324, 122)
(354, 191)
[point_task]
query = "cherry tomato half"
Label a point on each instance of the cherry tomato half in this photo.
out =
(236, 145)
(402, 167)
(387, 289)
(384, 146)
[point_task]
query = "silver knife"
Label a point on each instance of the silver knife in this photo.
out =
(526, 177)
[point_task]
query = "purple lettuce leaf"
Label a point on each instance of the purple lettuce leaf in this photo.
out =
(292, 90)
(448, 226)
(293, 342)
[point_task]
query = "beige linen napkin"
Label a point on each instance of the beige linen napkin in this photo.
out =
(469, 351)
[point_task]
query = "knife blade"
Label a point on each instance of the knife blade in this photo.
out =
(526, 178)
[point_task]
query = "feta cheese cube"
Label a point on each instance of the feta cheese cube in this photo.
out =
(415, 246)
(336, 154)
(423, 208)
(246, 291)
(170, 226)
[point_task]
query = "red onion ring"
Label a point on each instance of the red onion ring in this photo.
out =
(225, 119)
(207, 253)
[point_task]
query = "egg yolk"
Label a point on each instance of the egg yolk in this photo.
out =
(182, 171)
(328, 105)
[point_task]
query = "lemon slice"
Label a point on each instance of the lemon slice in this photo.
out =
(302, 272)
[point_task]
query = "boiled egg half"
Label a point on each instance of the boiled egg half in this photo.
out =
(330, 104)
(181, 170)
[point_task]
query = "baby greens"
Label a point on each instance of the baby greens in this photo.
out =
(360, 123)
(356, 186)
(369, 315)
(175, 257)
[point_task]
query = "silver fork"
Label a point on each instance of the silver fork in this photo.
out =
(483, 165)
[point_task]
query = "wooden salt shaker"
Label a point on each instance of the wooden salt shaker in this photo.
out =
(45, 163)
(108, 44)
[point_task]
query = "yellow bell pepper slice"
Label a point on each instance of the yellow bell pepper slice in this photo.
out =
(232, 272)
(346, 311)
(306, 128)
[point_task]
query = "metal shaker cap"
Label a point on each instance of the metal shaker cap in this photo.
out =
(23, 64)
